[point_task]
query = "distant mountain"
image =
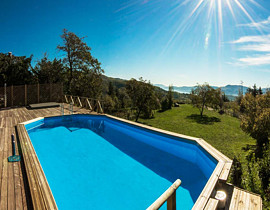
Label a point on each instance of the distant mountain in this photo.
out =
(232, 90)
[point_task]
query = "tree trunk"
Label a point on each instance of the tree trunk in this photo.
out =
(202, 110)
(137, 117)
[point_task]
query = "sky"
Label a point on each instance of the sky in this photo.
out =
(170, 42)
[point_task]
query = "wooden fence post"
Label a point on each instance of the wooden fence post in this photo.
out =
(25, 94)
(38, 92)
(11, 95)
(5, 90)
(50, 92)
(171, 202)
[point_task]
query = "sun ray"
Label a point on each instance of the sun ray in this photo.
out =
(220, 22)
(247, 14)
(196, 8)
(231, 9)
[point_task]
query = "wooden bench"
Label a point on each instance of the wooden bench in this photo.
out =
(44, 105)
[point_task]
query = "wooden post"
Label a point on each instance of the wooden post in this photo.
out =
(79, 101)
(88, 102)
(171, 202)
(50, 92)
(5, 90)
(25, 94)
(66, 98)
(72, 100)
(11, 95)
(38, 92)
(169, 195)
(100, 108)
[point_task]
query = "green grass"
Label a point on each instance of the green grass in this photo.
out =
(222, 131)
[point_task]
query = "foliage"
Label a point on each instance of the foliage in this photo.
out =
(254, 91)
(109, 104)
(47, 71)
(167, 101)
(164, 104)
(203, 96)
(143, 97)
(170, 97)
(111, 91)
(236, 172)
(256, 118)
(84, 71)
(15, 70)
(264, 172)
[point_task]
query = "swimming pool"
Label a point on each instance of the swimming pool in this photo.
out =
(96, 162)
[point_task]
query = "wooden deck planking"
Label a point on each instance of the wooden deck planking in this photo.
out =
(14, 187)
(244, 200)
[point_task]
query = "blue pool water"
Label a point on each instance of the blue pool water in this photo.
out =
(95, 162)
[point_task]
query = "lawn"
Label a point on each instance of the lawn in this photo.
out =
(221, 131)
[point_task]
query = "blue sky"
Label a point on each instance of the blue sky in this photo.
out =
(179, 42)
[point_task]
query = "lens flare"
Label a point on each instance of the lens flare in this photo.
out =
(197, 12)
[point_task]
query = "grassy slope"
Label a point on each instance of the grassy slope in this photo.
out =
(221, 131)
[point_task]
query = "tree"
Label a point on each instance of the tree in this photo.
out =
(260, 92)
(167, 101)
(170, 97)
(15, 70)
(142, 94)
(84, 71)
(111, 89)
(255, 120)
(203, 96)
(254, 91)
(47, 71)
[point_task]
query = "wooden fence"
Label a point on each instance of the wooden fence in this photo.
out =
(89, 103)
(23, 95)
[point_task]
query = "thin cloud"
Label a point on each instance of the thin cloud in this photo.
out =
(247, 39)
(256, 48)
(255, 60)
(257, 44)
(260, 24)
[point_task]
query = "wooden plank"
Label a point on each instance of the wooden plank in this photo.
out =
(66, 99)
(11, 187)
(4, 177)
(72, 100)
(79, 101)
(39, 188)
(89, 104)
(211, 204)
(100, 108)
(243, 200)
(37, 203)
(225, 171)
(44, 105)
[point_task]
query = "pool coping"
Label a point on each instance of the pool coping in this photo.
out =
(42, 195)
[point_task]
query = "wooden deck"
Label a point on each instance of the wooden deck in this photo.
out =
(14, 189)
(14, 186)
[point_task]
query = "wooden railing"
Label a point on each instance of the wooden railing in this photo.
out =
(89, 103)
(169, 195)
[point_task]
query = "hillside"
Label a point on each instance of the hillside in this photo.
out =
(121, 83)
